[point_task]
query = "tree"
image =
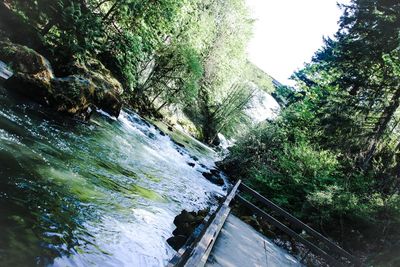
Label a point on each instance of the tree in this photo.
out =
(332, 156)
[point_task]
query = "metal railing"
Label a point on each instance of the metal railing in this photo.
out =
(332, 253)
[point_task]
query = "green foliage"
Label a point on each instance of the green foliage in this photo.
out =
(333, 155)
(258, 77)
(280, 160)
(164, 52)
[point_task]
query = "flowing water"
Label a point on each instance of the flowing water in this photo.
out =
(102, 193)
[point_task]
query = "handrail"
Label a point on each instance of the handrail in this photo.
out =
(296, 222)
(290, 232)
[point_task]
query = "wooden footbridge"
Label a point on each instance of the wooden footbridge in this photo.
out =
(200, 246)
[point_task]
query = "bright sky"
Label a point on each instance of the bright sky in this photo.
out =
(286, 33)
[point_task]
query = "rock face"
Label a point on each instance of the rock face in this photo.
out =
(25, 60)
(186, 224)
(90, 85)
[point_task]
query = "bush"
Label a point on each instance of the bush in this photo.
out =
(282, 161)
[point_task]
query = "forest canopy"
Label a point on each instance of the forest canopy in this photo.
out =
(186, 54)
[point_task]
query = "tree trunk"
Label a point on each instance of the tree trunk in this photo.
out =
(396, 169)
(166, 102)
(381, 127)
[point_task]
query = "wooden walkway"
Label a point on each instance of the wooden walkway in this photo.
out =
(199, 247)
(238, 244)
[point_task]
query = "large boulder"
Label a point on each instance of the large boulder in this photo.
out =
(72, 94)
(107, 95)
(32, 73)
(25, 60)
(214, 176)
(90, 85)
(28, 85)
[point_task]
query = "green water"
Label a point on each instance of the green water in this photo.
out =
(102, 193)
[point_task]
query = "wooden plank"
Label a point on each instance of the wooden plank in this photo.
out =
(200, 253)
(290, 232)
(301, 225)
(196, 254)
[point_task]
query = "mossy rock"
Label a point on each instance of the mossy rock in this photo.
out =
(29, 86)
(94, 70)
(91, 85)
(108, 90)
(72, 94)
(32, 72)
(25, 60)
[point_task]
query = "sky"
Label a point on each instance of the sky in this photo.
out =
(286, 33)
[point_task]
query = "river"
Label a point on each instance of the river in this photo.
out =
(102, 193)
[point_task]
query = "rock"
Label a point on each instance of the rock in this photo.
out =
(216, 141)
(109, 103)
(25, 60)
(185, 229)
(179, 144)
(215, 172)
(170, 128)
(159, 130)
(32, 73)
(191, 164)
(184, 217)
(207, 175)
(176, 242)
(29, 86)
(194, 158)
(72, 94)
(146, 123)
(187, 224)
(214, 179)
(91, 85)
(108, 90)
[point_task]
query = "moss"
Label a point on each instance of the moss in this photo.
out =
(92, 84)
(23, 59)
(152, 177)
(146, 193)
(74, 183)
